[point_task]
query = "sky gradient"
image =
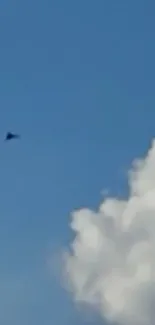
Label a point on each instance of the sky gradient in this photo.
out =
(77, 82)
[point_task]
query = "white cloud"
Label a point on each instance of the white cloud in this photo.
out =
(111, 263)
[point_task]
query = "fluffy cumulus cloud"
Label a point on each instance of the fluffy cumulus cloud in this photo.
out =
(111, 262)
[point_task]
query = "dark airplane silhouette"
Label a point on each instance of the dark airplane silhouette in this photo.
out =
(10, 136)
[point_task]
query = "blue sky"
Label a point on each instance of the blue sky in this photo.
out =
(77, 81)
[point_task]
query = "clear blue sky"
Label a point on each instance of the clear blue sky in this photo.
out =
(77, 81)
